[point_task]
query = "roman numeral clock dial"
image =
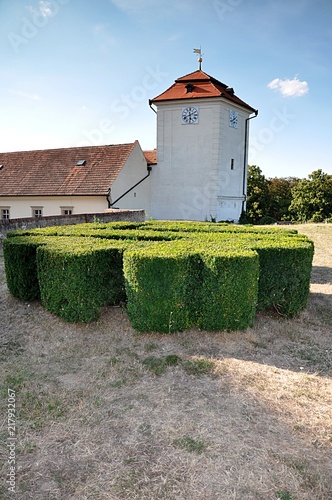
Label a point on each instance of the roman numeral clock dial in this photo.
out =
(233, 118)
(189, 115)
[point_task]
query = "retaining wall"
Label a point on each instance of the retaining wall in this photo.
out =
(111, 215)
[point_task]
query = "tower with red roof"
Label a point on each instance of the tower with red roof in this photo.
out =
(202, 150)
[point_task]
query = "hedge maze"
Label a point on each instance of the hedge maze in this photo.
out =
(171, 275)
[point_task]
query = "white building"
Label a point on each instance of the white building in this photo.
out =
(74, 180)
(202, 151)
(200, 172)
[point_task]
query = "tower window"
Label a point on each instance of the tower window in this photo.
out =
(190, 87)
(232, 163)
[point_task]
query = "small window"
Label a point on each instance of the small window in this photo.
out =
(80, 163)
(232, 164)
(5, 214)
(37, 212)
(66, 210)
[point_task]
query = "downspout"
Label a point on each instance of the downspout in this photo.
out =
(110, 205)
(245, 166)
(108, 198)
(150, 104)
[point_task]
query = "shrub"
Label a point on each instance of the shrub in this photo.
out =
(266, 220)
(159, 280)
(78, 278)
(178, 287)
(229, 290)
(20, 266)
(173, 274)
(284, 275)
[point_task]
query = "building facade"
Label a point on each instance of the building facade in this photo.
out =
(198, 172)
(202, 150)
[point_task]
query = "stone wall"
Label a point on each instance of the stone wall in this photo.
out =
(62, 220)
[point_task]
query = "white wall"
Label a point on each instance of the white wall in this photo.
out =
(21, 206)
(193, 178)
(132, 172)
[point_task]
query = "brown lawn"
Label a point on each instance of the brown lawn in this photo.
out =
(106, 413)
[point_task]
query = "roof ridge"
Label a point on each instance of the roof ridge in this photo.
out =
(132, 144)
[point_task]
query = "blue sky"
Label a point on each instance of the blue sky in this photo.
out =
(79, 72)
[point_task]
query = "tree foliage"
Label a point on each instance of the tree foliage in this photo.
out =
(312, 198)
(257, 194)
(280, 196)
(288, 198)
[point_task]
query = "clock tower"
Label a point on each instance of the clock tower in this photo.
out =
(202, 150)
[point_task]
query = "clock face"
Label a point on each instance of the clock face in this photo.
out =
(233, 118)
(189, 115)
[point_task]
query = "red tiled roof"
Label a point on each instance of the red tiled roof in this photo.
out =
(151, 156)
(203, 85)
(53, 172)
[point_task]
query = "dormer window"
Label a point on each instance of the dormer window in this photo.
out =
(190, 87)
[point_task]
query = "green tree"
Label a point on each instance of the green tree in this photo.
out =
(280, 196)
(257, 194)
(312, 198)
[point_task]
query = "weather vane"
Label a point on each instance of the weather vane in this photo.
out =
(200, 59)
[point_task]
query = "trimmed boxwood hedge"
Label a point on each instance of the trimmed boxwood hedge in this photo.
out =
(20, 266)
(78, 278)
(229, 290)
(159, 280)
(173, 275)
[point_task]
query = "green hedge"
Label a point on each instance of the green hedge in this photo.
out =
(284, 276)
(157, 280)
(78, 278)
(229, 290)
(20, 266)
(173, 274)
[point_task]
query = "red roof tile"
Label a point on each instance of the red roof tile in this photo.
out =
(151, 156)
(203, 85)
(53, 172)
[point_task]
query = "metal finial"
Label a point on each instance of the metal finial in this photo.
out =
(200, 59)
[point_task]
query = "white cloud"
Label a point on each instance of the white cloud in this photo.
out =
(26, 95)
(163, 6)
(45, 8)
(289, 88)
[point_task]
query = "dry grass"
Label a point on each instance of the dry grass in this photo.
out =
(105, 413)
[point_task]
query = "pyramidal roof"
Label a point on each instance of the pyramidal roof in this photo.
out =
(198, 85)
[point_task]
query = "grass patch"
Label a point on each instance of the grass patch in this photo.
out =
(38, 410)
(97, 422)
(158, 366)
(198, 367)
(15, 381)
(284, 495)
(189, 444)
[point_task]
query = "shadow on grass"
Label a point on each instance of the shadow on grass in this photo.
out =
(321, 275)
